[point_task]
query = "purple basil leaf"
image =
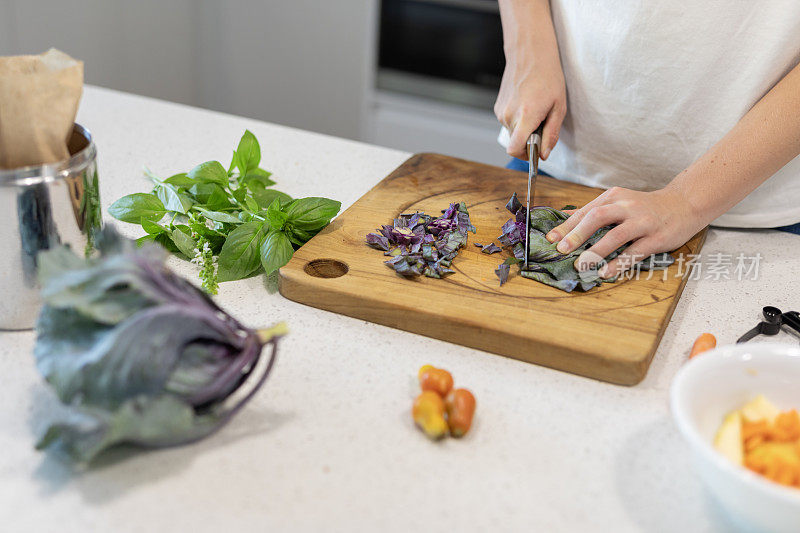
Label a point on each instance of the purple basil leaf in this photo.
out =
(514, 204)
(394, 252)
(429, 253)
(519, 251)
(490, 248)
(450, 211)
(402, 235)
(545, 263)
(378, 241)
(502, 272)
(566, 285)
(386, 231)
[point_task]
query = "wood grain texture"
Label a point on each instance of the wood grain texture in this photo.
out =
(609, 333)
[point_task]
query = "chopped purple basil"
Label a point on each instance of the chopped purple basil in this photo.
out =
(502, 272)
(378, 241)
(419, 244)
(490, 248)
(514, 204)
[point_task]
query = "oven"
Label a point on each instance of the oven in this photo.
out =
(445, 50)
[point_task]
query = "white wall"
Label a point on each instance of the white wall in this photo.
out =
(298, 62)
(143, 47)
(7, 33)
(302, 63)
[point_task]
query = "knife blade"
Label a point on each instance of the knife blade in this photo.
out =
(534, 149)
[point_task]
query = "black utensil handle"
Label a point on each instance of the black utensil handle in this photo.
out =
(749, 335)
(792, 319)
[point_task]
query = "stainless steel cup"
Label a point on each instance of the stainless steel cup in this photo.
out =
(42, 206)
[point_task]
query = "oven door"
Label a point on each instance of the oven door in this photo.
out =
(450, 50)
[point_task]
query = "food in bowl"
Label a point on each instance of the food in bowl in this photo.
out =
(763, 439)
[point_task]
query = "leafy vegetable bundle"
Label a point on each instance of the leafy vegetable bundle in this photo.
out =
(229, 222)
(546, 264)
(136, 354)
(420, 244)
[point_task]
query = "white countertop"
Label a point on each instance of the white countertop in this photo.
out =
(328, 443)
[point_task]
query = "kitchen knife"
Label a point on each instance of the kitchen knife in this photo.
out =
(534, 149)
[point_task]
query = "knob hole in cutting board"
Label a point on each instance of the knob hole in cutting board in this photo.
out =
(326, 268)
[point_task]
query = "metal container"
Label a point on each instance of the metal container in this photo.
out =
(42, 206)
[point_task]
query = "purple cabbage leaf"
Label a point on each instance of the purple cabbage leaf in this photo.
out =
(136, 354)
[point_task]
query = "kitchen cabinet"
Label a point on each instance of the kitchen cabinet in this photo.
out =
(303, 63)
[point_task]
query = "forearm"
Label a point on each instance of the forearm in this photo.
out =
(528, 32)
(763, 141)
(532, 91)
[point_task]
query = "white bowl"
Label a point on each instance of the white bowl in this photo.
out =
(717, 382)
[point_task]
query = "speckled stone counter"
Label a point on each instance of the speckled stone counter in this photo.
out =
(328, 444)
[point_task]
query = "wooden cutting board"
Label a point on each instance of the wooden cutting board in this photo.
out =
(609, 333)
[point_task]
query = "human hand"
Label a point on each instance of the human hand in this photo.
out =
(653, 222)
(532, 91)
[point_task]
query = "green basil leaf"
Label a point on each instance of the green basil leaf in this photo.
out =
(165, 240)
(211, 195)
(218, 216)
(136, 206)
(294, 239)
(147, 238)
(300, 236)
(259, 175)
(275, 217)
(210, 172)
(180, 180)
(251, 204)
(239, 256)
(265, 197)
(184, 242)
(233, 164)
(276, 250)
(205, 231)
(172, 199)
(215, 238)
(312, 213)
(151, 227)
(248, 154)
(239, 194)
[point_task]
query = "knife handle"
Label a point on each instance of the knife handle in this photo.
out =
(536, 139)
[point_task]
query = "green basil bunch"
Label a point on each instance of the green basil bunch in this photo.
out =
(231, 222)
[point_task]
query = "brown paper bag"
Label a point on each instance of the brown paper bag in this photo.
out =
(39, 98)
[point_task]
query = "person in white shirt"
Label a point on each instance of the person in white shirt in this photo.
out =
(687, 111)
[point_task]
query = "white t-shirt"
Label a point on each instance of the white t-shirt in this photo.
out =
(652, 85)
